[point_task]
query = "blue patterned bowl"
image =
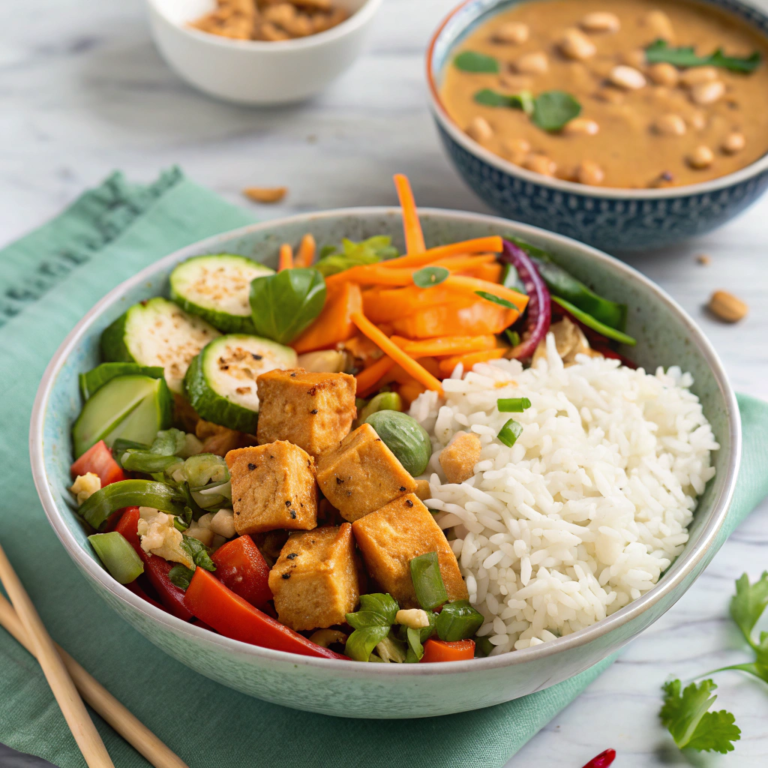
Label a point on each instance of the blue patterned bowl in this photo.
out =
(611, 219)
(666, 336)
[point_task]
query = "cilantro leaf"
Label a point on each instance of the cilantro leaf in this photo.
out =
(757, 668)
(748, 605)
(490, 98)
(472, 61)
(553, 109)
(660, 51)
(687, 717)
(198, 552)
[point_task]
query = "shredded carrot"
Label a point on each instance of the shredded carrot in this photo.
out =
(286, 258)
(480, 245)
(381, 276)
(368, 379)
(306, 253)
(466, 316)
(409, 392)
(414, 238)
(395, 353)
(447, 345)
(449, 363)
(474, 285)
(333, 325)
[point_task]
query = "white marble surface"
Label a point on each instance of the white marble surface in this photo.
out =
(83, 92)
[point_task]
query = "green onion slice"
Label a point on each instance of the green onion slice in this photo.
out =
(510, 432)
(458, 621)
(361, 642)
(427, 581)
(492, 297)
(513, 404)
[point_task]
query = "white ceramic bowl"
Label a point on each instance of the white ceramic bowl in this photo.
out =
(253, 72)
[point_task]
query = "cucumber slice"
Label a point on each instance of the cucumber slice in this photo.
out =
(131, 407)
(104, 373)
(216, 288)
(157, 333)
(221, 380)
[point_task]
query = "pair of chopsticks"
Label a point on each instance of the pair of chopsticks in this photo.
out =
(65, 677)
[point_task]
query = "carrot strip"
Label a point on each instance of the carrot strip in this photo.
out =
(473, 284)
(448, 345)
(286, 258)
(333, 324)
(414, 237)
(449, 363)
(467, 247)
(306, 253)
(372, 375)
(409, 392)
(395, 353)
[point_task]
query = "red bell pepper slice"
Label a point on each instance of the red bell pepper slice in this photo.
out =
(242, 568)
(156, 568)
(230, 615)
(442, 650)
(603, 760)
(98, 459)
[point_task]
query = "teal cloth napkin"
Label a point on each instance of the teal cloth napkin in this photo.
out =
(48, 280)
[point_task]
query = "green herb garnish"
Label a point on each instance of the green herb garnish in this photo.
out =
(513, 404)
(492, 297)
(509, 433)
(458, 621)
(370, 251)
(428, 581)
(198, 552)
(659, 51)
(181, 576)
(513, 337)
(430, 276)
(553, 109)
(361, 642)
(490, 98)
(687, 717)
(471, 61)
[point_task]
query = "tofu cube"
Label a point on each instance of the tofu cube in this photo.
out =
(362, 475)
(312, 410)
(273, 486)
(459, 457)
(315, 580)
(392, 536)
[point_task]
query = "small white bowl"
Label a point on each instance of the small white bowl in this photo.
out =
(254, 72)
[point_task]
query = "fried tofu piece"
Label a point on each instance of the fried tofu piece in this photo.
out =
(392, 536)
(459, 457)
(362, 475)
(312, 410)
(315, 580)
(273, 486)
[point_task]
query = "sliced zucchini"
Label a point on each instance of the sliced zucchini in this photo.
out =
(99, 376)
(131, 407)
(221, 380)
(216, 288)
(157, 333)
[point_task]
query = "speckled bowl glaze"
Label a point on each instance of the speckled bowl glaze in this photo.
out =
(611, 219)
(666, 336)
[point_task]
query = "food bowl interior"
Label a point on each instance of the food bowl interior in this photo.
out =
(182, 12)
(666, 337)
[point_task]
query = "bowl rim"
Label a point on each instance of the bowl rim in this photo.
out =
(617, 193)
(666, 585)
(351, 24)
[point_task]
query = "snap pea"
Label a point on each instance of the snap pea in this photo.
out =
(118, 556)
(129, 493)
(595, 325)
(458, 621)
(428, 581)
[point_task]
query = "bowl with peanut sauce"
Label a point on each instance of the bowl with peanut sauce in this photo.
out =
(629, 125)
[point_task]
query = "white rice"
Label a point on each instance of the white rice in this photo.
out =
(588, 508)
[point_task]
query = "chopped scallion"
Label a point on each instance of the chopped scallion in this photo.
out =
(458, 621)
(510, 432)
(427, 581)
(513, 404)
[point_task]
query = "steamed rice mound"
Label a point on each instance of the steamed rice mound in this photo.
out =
(588, 508)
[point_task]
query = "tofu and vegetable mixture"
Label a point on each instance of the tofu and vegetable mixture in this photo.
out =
(385, 457)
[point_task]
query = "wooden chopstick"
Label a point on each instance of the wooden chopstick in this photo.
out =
(72, 707)
(100, 699)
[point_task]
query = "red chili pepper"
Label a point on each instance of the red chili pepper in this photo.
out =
(156, 568)
(98, 459)
(603, 760)
(242, 568)
(213, 603)
(442, 650)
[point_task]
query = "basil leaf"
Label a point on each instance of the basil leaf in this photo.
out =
(495, 299)
(285, 304)
(553, 109)
(490, 98)
(685, 56)
(180, 575)
(361, 642)
(471, 61)
(430, 276)
(198, 552)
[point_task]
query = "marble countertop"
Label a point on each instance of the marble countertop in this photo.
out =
(84, 92)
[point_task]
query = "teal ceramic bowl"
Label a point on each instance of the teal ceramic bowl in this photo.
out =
(666, 336)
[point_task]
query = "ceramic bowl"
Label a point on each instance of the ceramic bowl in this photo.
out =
(252, 72)
(666, 336)
(611, 219)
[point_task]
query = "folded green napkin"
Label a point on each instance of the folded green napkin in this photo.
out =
(48, 280)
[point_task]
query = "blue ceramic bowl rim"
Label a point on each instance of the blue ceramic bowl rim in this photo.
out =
(668, 583)
(509, 168)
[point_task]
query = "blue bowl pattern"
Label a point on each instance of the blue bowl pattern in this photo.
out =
(609, 219)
